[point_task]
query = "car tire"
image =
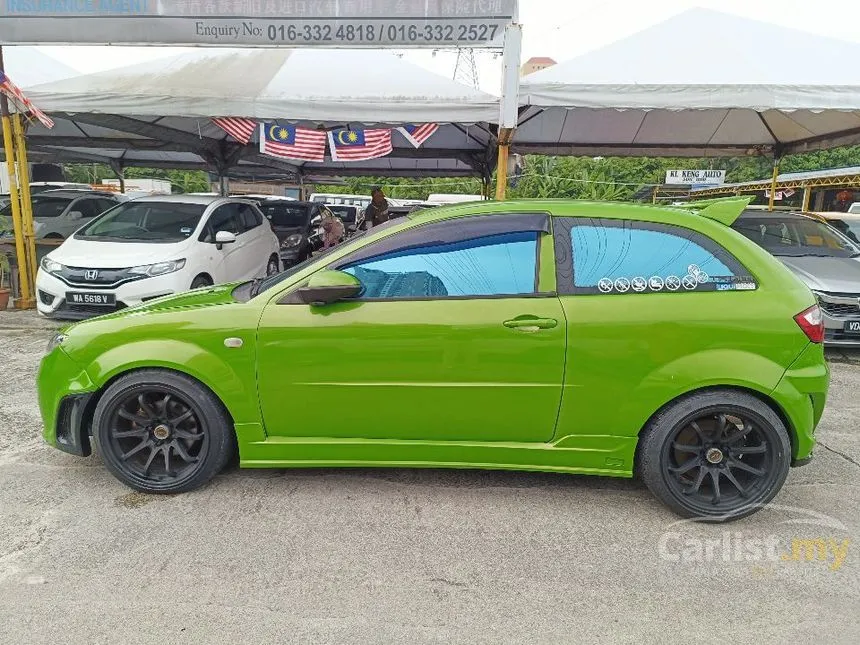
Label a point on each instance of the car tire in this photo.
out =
(162, 432)
(273, 266)
(201, 281)
(718, 455)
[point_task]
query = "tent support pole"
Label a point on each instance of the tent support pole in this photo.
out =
(502, 166)
(807, 196)
(770, 204)
(25, 299)
(26, 203)
(119, 171)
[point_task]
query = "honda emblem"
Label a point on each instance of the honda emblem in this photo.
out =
(91, 274)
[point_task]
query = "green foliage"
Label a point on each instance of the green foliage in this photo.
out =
(598, 178)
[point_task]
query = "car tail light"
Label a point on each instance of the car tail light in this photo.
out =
(811, 321)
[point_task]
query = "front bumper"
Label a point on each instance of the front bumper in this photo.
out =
(838, 309)
(65, 401)
(51, 294)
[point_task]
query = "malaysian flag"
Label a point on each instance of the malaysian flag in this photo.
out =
(359, 145)
(292, 142)
(11, 90)
(418, 134)
(240, 129)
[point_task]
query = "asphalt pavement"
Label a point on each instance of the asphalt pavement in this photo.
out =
(419, 556)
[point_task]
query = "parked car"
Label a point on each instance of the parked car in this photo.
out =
(824, 259)
(291, 221)
(41, 186)
(570, 337)
(152, 247)
(59, 213)
(846, 223)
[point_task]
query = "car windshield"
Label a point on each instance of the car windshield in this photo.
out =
(145, 221)
(345, 213)
(796, 236)
(42, 206)
(286, 215)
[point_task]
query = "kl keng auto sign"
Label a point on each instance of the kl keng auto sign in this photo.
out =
(696, 177)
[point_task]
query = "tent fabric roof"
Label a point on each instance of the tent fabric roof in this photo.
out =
(354, 86)
(664, 91)
(28, 66)
(159, 113)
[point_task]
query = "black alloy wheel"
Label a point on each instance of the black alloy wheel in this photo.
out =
(162, 432)
(718, 459)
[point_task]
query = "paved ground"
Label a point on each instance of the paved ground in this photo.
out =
(376, 556)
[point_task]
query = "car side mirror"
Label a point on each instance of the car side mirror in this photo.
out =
(316, 220)
(224, 237)
(326, 287)
(76, 215)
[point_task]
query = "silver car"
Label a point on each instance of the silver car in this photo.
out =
(826, 260)
(59, 213)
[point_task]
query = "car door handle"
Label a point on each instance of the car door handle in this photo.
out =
(531, 324)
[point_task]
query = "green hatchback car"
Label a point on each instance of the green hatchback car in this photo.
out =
(572, 337)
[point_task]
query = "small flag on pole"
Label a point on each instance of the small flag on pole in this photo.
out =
(292, 142)
(418, 134)
(24, 104)
(240, 129)
(359, 145)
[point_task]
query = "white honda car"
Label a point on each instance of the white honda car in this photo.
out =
(152, 247)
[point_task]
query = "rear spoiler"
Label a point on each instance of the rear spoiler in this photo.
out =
(725, 210)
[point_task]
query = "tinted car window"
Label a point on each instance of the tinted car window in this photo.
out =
(225, 218)
(619, 256)
(42, 206)
(795, 236)
(249, 217)
(105, 204)
(345, 213)
(502, 264)
(286, 215)
(88, 207)
(143, 221)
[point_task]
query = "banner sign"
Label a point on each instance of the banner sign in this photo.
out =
(700, 177)
(379, 24)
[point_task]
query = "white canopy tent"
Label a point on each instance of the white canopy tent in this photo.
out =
(29, 66)
(702, 83)
(159, 113)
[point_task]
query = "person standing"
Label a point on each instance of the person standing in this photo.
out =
(377, 211)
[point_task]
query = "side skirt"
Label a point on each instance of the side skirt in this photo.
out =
(587, 454)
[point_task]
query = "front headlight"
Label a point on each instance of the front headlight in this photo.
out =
(293, 240)
(55, 342)
(159, 268)
(50, 266)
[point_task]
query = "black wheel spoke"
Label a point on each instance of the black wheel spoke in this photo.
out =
(743, 432)
(143, 444)
(741, 490)
(715, 481)
(147, 409)
(758, 472)
(700, 477)
(687, 466)
(699, 432)
(152, 454)
(182, 417)
(184, 434)
(750, 450)
(164, 403)
(183, 453)
(681, 447)
(123, 434)
(723, 425)
(134, 418)
(166, 451)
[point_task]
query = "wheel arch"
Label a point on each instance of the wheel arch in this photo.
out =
(758, 394)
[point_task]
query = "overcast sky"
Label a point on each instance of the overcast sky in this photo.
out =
(563, 29)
